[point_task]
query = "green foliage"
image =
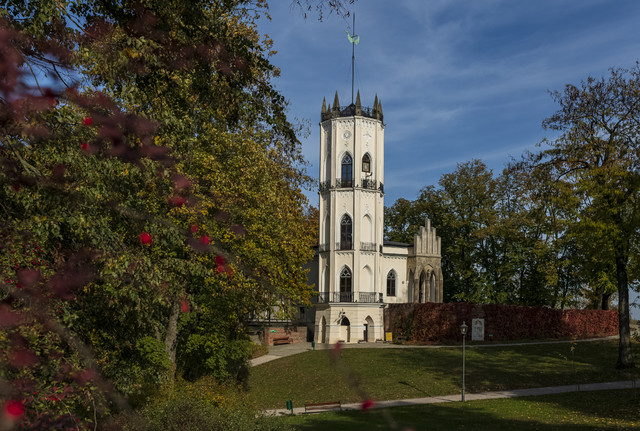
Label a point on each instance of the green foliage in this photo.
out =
(159, 180)
(203, 406)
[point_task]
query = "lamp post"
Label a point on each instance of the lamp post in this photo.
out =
(463, 330)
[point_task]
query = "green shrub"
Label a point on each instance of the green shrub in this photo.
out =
(200, 406)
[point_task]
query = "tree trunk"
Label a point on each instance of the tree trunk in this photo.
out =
(172, 333)
(625, 360)
(605, 298)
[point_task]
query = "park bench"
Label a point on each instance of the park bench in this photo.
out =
(319, 407)
(281, 340)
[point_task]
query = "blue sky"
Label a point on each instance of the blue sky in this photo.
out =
(458, 79)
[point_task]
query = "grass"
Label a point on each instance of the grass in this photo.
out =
(387, 374)
(584, 411)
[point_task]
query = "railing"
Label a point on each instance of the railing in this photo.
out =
(346, 182)
(344, 245)
(324, 185)
(369, 297)
(364, 297)
(368, 183)
(365, 183)
(320, 298)
(342, 297)
(368, 246)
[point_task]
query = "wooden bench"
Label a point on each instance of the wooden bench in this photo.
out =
(309, 408)
(281, 340)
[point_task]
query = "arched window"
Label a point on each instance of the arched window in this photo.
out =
(391, 283)
(347, 171)
(346, 233)
(366, 163)
(345, 285)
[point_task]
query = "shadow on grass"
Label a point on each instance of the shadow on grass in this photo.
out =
(566, 412)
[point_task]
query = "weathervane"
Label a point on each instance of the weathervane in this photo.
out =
(354, 40)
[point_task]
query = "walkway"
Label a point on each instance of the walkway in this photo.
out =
(627, 384)
(277, 352)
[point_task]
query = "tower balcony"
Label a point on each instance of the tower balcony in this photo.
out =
(349, 297)
(365, 183)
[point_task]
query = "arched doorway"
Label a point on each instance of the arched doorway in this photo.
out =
(369, 334)
(345, 330)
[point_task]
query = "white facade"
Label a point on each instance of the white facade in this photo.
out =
(357, 273)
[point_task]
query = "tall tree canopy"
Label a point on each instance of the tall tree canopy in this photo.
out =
(557, 228)
(598, 154)
(150, 191)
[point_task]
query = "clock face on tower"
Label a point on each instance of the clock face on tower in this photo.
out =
(346, 134)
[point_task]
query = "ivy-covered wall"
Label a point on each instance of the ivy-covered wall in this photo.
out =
(440, 323)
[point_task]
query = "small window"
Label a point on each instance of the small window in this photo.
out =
(391, 283)
(346, 229)
(366, 163)
(345, 280)
(347, 171)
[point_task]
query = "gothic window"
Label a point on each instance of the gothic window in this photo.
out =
(346, 229)
(391, 283)
(345, 285)
(347, 171)
(366, 163)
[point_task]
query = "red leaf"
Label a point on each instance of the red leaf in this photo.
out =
(184, 306)
(205, 239)
(177, 201)
(219, 260)
(84, 146)
(14, 409)
(145, 238)
(85, 376)
(181, 182)
(24, 358)
(194, 228)
(367, 404)
(9, 318)
(28, 277)
(88, 121)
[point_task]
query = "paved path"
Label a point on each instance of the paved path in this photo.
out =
(276, 352)
(626, 384)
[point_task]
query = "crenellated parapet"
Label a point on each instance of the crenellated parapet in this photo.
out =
(426, 242)
(355, 109)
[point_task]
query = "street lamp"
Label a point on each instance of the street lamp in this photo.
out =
(463, 330)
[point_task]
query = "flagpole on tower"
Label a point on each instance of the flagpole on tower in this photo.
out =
(353, 55)
(353, 39)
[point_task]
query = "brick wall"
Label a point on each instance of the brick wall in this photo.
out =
(297, 334)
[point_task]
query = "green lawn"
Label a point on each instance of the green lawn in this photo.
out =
(387, 374)
(581, 411)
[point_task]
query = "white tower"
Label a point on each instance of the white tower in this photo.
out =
(351, 282)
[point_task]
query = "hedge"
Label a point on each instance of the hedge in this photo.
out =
(433, 323)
